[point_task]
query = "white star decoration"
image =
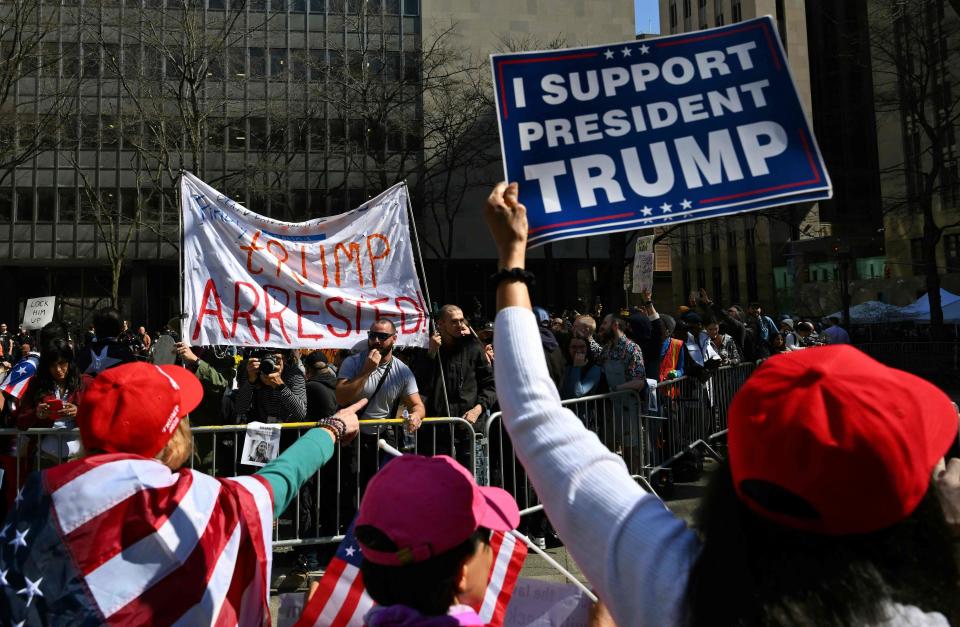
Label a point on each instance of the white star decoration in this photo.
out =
(608, 54)
(350, 551)
(21, 370)
(644, 49)
(647, 211)
(19, 498)
(686, 204)
(20, 624)
(666, 207)
(626, 51)
(3, 532)
(32, 589)
(20, 540)
(3, 578)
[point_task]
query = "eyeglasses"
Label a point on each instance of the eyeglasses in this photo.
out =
(379, 336)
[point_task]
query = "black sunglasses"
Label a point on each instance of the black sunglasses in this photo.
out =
(379, 335)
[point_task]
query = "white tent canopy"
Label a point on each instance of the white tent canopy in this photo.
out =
(873, 312)
(919, 311)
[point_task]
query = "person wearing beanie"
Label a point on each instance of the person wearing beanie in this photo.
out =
(126, 535)
(789, 337)
(827, 511)
(424, 531)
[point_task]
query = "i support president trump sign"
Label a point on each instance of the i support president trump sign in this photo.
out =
(653, 132)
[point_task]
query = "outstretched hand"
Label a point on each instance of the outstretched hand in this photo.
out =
(350, 419)
(507, 220)
(947, 477)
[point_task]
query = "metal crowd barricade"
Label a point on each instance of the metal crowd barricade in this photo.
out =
(726, 382)
(322, 509)
(614, 417)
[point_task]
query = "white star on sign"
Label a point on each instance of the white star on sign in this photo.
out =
(644, 49)
(350, 551)
(20, 540)
(626, 51)
(666, 207)
(647, 211)
(32, 589)
(608, 54)
(686, 204)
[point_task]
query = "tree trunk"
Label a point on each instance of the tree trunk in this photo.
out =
(931, 236)
(116, 268)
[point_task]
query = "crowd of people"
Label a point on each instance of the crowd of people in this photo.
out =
(835, 506)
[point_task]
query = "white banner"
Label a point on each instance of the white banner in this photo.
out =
(253, 281)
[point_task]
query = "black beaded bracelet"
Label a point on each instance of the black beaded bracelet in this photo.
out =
(335, 425)
(513, 274)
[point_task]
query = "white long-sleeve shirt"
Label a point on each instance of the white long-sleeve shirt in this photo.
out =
(634, 551)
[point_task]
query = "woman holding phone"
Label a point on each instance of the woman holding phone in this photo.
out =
(50, 400)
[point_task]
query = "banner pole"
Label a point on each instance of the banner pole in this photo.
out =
(180, 313)
(426, 291)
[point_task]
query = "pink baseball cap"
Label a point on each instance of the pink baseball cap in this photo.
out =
(428, 506)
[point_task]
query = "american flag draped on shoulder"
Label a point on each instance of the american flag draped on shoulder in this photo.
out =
(119, 539)
(16, 381)
(341, 600)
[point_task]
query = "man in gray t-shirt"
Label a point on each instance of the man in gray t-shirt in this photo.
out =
(359, 377)
(362, 376)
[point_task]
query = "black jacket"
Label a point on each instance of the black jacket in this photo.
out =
(103, 354)
(321, 396)
(469, 378)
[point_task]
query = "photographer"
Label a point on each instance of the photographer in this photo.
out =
(273, 389)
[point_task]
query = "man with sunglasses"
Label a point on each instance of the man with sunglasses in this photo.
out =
(386, 383)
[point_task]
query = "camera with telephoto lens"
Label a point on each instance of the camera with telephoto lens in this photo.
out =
(268, 365)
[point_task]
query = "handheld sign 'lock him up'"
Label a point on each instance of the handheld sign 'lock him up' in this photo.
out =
(643, 133)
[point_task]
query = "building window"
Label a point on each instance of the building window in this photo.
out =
(701, 278)
(686, 282)
(717, 284)
(699, 245)
(951, 252)
(715, 241)
(736, 13)
(752, 292)
(950, 185)
(733, 274)
(673, 14)
(687, 10)
(684, 246)
(782, 22)
(749, 237)
(411, 7)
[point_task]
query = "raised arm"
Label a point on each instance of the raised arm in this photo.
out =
(632, 549)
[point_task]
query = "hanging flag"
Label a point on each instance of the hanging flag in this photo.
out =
(19, 376)
(121, 540)
(249, 280)
(342, 601)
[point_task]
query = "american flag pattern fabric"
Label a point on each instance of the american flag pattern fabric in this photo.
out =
(16, 381)
(510, 553)
(119, 539)
(342, 601)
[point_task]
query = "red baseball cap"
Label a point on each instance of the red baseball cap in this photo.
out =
(428, 506)
(136, 407)
(831, 441)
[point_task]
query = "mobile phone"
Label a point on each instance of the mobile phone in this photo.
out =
(54, 405)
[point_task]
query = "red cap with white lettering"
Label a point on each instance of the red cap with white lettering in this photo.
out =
(136, 407)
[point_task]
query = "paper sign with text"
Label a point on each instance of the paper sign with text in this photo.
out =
(250, 280)
(643, 258)
(537, 603)
(38, 312)
(656, 131)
